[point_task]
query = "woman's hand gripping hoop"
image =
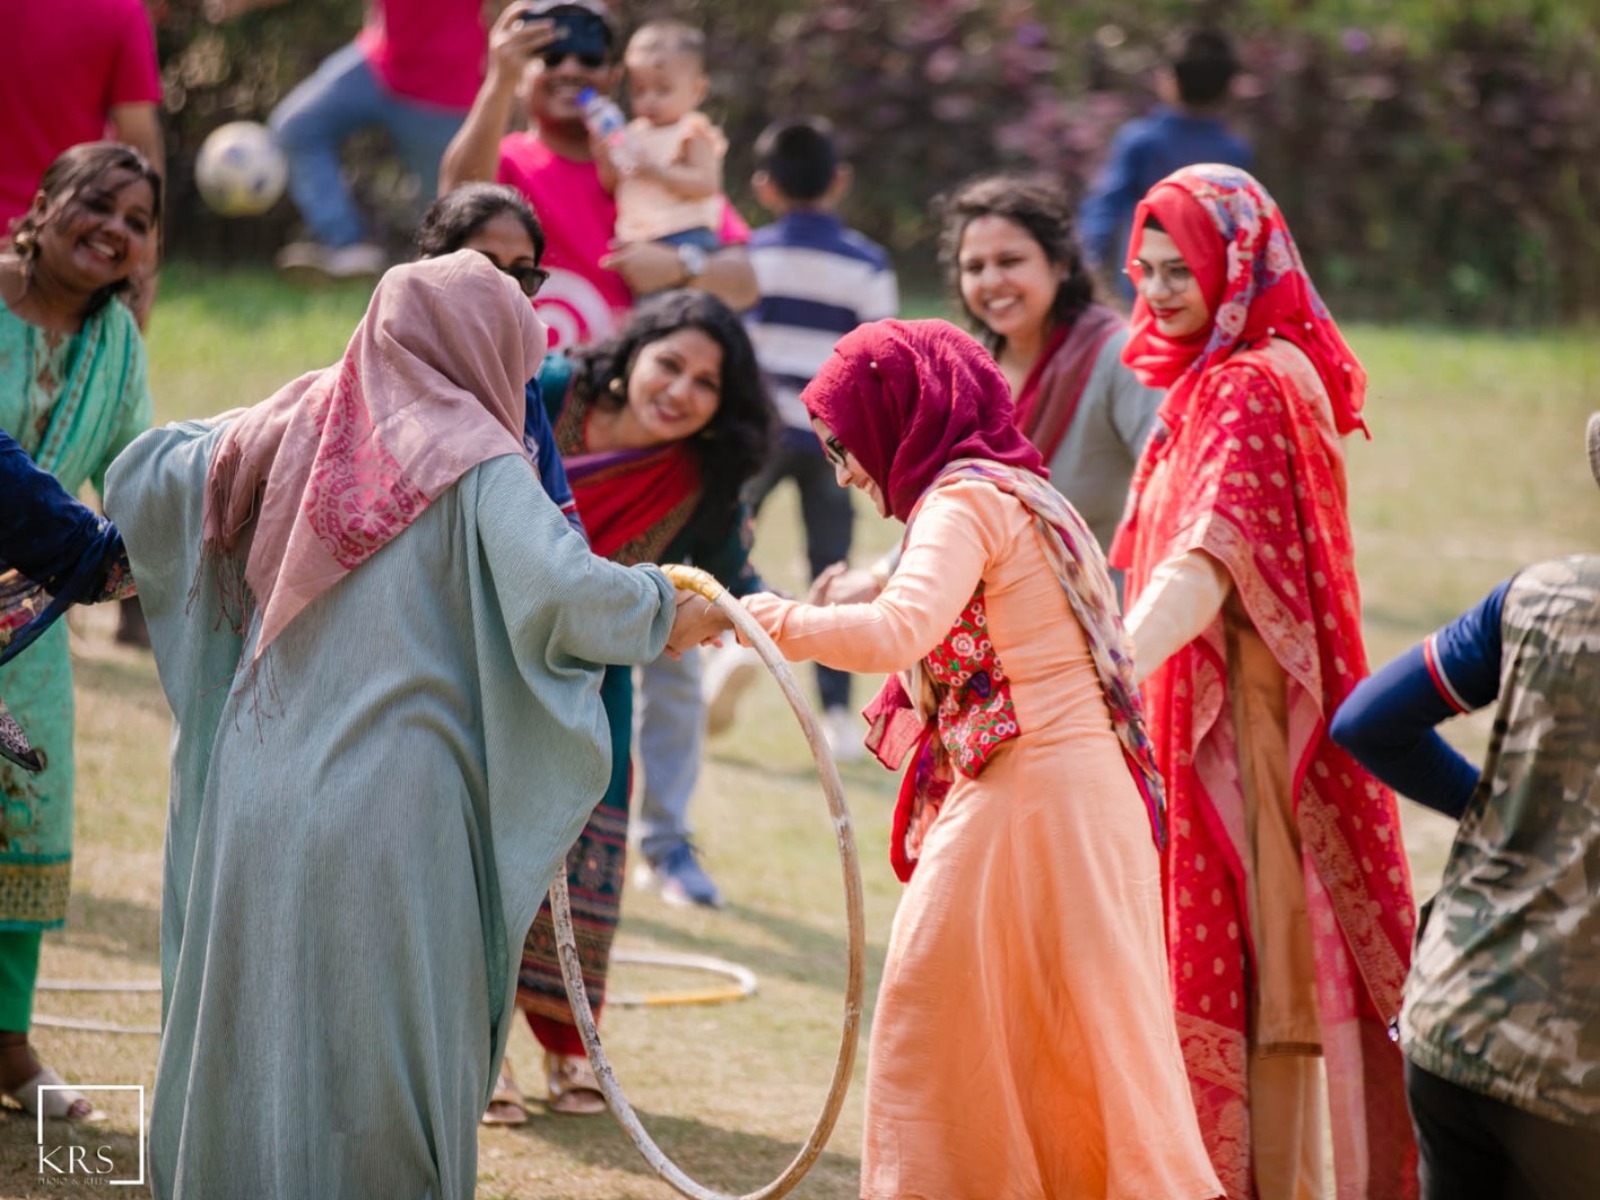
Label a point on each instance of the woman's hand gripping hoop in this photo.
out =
(696, 580)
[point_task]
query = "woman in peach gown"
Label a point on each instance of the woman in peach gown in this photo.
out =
(1023, 1045)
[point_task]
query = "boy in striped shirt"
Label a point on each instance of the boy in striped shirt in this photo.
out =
(818, 279)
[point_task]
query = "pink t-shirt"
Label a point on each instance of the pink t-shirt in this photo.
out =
(432, 51)
(66, 65)
(582, 302)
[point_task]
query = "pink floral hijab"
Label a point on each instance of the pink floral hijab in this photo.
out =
(1234, 238)
(332, 467)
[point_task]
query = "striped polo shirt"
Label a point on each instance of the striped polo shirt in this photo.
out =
(819, 279)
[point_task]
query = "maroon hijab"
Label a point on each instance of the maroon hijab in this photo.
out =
(908, 398)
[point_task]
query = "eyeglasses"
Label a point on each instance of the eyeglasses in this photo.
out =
(553, 58)
(529, 279)
(1174, 277)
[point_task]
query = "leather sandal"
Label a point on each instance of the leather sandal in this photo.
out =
(506, 1105)
(60, 1102)
(574, 1088)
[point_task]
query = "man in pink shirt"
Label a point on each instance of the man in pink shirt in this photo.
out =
(73, 71)
(545, 53)
(412, 71)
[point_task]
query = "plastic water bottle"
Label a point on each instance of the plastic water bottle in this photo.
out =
(606, 121)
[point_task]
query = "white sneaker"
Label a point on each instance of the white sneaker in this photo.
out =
(727, 675)
(844, 733)
(313, 261)
(679, 878)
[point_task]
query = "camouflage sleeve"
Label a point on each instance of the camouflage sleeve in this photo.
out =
(1387, 722)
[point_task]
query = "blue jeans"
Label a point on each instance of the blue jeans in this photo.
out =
(313, 122)
(671, 731)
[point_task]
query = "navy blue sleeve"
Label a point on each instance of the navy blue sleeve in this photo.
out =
(1387, 722)
(45, 533)
(539, 441)
(1464, 656)
(65, 550)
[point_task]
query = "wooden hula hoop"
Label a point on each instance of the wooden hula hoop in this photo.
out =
(695, 580)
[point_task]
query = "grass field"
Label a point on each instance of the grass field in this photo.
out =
(1476, 467)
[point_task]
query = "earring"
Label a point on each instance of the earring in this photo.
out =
(617, 387)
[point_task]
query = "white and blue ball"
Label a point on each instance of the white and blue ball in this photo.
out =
(241, 170)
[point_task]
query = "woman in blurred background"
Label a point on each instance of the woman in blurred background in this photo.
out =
(73, 393)
(497, 222)
(1012, 258)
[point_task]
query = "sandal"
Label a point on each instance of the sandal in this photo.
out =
(574, 1088)
(506, 1105)
(59, 1103)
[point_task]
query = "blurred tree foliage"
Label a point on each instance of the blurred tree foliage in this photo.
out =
(1438, 159)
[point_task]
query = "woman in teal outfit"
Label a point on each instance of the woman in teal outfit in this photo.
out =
(380, 640)
(72, 393)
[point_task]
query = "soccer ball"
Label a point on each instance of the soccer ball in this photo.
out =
(241, 170)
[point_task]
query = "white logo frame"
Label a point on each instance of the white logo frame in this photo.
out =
(101, 1087)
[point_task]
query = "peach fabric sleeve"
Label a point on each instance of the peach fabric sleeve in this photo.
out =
(961, 529)
(1184, 595)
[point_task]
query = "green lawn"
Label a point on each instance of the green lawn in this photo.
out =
(1475, 468)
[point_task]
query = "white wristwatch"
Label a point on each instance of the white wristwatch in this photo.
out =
(693, 260)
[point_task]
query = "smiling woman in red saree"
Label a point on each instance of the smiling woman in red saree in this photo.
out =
(1289, 911)
(659, 429)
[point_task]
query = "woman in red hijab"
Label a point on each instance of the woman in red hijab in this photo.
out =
(1023, 1044)
(1289, 910)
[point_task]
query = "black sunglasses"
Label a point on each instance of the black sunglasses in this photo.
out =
(557, 55)
(529, 279)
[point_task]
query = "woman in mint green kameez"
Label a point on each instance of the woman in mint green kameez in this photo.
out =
(380, 639)
(73, 394)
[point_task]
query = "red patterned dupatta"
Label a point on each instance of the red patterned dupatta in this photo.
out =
(1251, 472)
(634, 501)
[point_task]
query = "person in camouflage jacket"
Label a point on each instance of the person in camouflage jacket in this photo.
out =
(1501, 1021)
